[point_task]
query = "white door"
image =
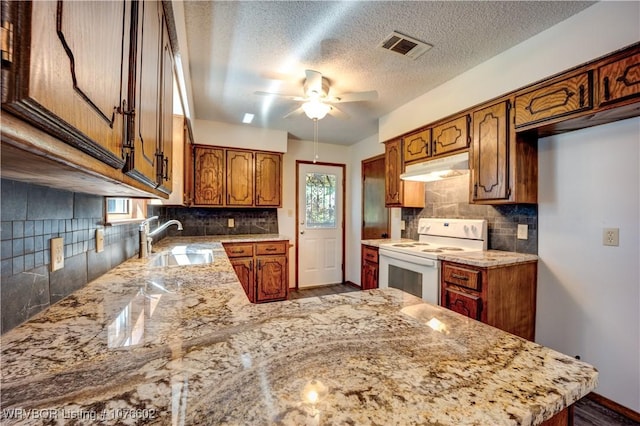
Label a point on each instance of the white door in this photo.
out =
(320, 224)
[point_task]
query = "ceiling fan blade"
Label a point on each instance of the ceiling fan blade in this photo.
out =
(294, 112)
(313, 83)
(338, 113)
(279, 95)
(371, 95)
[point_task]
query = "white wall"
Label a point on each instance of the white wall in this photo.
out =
(207, 132)
(364, 149)
(303, 150)
(589, 294)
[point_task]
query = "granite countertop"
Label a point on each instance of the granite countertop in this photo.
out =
(183, 345)
(489, 258)
(242, 238)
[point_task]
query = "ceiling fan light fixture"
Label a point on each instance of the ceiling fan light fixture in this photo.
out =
(316, 110)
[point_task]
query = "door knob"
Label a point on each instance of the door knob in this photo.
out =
(301, 232)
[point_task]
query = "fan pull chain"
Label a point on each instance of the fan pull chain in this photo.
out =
(315, 140)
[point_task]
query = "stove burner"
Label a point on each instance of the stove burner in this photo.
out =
(432, 250)
(421, 244)
(403, 245)
(451, 248)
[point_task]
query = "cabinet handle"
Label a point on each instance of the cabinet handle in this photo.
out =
(581, 95)
(250, 265)
(475, 190)
(237, 251)
(606, 89)
(271, 249)
(460, 277)
(259, 265)
(166, 168)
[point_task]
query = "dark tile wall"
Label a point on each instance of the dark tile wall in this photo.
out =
(214, 221)
(449, 198)
(32, 215)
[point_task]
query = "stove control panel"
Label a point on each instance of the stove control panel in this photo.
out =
(475, 229)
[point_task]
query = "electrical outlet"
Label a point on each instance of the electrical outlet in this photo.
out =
(611, 237)
(523, 232)
(99, 240)
(231, 222)
(57, 254)
(402, 225)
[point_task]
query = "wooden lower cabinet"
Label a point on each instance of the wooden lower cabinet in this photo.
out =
(502, 296)
(262, 269)
(369, 275)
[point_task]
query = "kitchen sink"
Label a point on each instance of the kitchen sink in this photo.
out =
(182, 258)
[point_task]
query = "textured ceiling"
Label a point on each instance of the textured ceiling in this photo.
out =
(239, 47)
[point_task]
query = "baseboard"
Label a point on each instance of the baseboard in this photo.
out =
(614, 406)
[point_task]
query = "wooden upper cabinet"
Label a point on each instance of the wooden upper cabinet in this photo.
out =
(240, 178)
(451, 136)
(399, 193)
(555, 100)
(417, 146)
(209, 179)
(164, 155)
(491, 152)
(268, 179)
(69, 72)
(393, 164)
(619, 80)
(144, 99)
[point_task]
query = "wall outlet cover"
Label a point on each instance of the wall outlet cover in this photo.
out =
(231, 223)
(57, 253)
(523, 232)
(611, 237)
(99, 240)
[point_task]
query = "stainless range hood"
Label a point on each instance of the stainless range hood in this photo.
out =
(439, 168)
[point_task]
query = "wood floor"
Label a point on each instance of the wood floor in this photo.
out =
(586, 413)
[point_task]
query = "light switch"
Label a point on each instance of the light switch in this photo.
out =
(57, 253)
(523, 232)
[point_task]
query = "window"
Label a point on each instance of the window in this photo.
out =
(320, 200)
(122, 210)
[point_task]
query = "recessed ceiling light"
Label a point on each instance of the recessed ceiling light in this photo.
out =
(248, 118)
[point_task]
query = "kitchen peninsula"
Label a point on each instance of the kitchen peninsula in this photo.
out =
(183, 345)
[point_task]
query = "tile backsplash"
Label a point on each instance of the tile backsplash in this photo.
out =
(32, 215)
(215, 221)
(449, 198)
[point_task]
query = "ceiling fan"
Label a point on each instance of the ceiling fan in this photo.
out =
(316, 102)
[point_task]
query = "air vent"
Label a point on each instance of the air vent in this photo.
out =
(404, 45)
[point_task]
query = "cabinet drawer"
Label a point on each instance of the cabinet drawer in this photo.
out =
(619, 80)
(239, 250)
(469, 305)
(271, 248)
(370, 254)
(460, 276)
(417, 146)
(555, 100)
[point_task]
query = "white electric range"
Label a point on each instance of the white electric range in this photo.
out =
(413, 266)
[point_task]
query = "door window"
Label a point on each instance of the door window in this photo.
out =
(320, 200)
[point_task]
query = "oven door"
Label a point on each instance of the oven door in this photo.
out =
(412, 274)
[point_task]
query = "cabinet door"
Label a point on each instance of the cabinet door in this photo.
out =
(244, 270)
(490, 153)
(239, 178)
(271, 278)
(469, 305)
(417, 146)
(451, 136)
(619, 80)
(268, 179)
(369, 275)
(164, 166)
(209, 176)
(68, 73)
(393, 164)
(555, 100)
(144, 93)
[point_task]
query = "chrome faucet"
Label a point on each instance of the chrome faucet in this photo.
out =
(146, 237)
